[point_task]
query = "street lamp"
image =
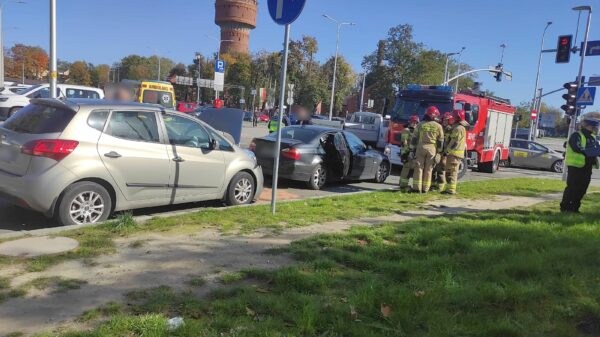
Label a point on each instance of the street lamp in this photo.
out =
(337, 49)
(159, 60)
(537, 80)
(446, 68)
(458, 68)
(2, 3)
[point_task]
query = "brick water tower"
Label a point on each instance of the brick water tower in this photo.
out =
(236, 19)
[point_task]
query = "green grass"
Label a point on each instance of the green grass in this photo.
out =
(107, 310)
(98, 240)
(197, 281)
(58, 284)
(527, 272)
(230, 278)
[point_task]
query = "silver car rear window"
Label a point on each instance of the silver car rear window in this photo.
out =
(39, 119)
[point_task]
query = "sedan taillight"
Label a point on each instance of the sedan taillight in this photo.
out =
(56, 149)
(291, 153)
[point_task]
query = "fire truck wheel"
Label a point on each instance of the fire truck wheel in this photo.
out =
(492, 166)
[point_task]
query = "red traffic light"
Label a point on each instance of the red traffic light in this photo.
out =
(564, 41)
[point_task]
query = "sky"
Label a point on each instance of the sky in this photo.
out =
(105, 31)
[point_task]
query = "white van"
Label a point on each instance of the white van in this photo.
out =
(11, 103)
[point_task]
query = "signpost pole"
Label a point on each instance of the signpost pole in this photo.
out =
(573, 124)
(286, 44)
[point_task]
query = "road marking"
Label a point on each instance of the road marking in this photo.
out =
(279, 13)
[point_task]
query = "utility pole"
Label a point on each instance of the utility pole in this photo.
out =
(573, 124)
(53, 72)
(537, 77)
(362, 93)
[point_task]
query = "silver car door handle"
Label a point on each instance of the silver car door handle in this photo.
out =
(178, 159)
(112, 154)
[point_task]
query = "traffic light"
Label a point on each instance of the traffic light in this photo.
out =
(570, 107)
(563, 50)
(498, 75)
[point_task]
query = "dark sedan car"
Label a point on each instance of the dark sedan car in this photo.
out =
(317, 155)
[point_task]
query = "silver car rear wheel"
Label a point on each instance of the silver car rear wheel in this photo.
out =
(84, 203)
(86, 208)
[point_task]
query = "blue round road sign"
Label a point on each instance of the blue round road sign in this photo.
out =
(285, 12)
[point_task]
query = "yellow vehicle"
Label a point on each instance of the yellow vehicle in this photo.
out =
(152, 92)
(156, 92)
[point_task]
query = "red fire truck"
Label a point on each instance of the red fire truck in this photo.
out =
(490, 119)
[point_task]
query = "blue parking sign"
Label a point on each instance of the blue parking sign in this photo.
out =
(220, 66)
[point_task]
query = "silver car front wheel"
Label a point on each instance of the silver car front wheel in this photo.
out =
(241, 189)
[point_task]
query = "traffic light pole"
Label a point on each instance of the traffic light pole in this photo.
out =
(573, 124)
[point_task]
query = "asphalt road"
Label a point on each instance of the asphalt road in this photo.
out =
(14, 219)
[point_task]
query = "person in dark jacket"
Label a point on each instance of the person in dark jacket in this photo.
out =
(579, 163)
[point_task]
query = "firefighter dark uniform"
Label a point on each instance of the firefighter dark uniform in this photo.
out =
(406, 144)
(579, 165)
(440, 169)
(455, 152)
(428, 142)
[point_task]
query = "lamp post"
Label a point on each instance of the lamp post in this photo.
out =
(53, 57)
(458, 67)
(446, 67)
(220, 42)
(159, 60)
(2, 3)
(337, 49)
(533, 128)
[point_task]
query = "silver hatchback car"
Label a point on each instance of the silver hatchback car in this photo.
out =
(79, 161)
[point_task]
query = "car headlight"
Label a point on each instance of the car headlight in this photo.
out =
(251, 155)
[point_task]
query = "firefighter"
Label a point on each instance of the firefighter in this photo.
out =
(440, 169)
(428, 141)
(406, 144)
(580, 164)
(455, 149)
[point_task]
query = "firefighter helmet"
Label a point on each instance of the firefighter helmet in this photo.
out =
(459, 115)
(414, 119)
(432, 113)
(448, 118)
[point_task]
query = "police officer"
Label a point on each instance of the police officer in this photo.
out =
(440, 169)
(428, 142)
(579, 164)
(455, 149)
(406, 144)
(274, 123)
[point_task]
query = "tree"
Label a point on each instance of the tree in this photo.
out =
(101, 75)
(29, 59)
(346, 78)
(79, 73)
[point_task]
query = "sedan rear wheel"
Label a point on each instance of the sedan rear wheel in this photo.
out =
(318, 179)
(84, 203)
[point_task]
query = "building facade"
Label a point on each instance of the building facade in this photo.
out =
(237, 18)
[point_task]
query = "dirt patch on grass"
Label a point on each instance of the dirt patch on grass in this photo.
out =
(175, 260)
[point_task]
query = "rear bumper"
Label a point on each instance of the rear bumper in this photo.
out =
(39, 192)
(288, 169)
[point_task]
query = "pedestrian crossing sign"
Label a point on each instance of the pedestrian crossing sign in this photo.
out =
(585, 96)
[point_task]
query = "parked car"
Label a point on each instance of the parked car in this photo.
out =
(370, 127)
(11, 103)
(81, 160)
(263, 118)
(16, 89)
(186, 107)
(529, 154)
(317, 155)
